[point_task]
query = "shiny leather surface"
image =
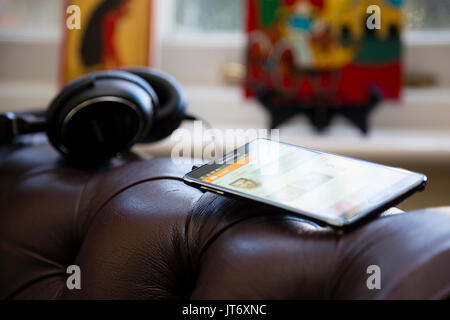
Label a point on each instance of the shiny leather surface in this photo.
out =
(137, 232)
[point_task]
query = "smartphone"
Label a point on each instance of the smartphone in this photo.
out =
(328, 188)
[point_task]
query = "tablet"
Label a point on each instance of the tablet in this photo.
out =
(329, 188)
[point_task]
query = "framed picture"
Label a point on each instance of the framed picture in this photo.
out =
(330, 53)
(109, 34)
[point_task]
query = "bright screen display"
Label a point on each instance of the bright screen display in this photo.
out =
(308, 181)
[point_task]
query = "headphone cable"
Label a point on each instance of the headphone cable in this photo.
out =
(193, 117)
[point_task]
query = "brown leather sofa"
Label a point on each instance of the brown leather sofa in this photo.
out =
(138, 232)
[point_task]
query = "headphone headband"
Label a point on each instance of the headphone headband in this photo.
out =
(100, 114)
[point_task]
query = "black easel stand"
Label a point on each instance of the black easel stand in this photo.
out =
(282, 109)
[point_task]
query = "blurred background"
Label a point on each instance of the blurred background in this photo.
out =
(202, 43)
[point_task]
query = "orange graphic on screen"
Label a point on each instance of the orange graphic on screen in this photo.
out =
(227, 170)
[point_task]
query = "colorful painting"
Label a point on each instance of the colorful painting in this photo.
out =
(112, 34)
(322, 51)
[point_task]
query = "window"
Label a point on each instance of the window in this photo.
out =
(209, 15)
(203, 15)
(427, 14)
(217, 15)
(30, 14)
(209, 33)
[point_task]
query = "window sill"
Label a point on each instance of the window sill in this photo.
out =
(418, 129)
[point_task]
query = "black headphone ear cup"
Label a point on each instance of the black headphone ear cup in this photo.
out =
(172, 103)
(99, 115)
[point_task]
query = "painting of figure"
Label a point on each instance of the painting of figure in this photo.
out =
(113, 34)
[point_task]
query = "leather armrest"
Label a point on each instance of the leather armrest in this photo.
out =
(138, 232)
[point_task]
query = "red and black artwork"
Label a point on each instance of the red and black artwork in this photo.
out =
(323, 58)
(111, 34)
(98, 44)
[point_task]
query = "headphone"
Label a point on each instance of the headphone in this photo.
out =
(101, 114)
